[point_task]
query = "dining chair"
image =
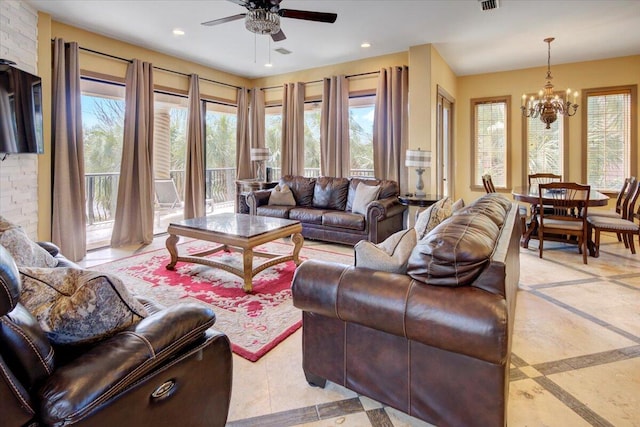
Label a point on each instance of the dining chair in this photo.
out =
(622, 203)
(567, 218)
(543, 178)
(488, 183)
(623, 226)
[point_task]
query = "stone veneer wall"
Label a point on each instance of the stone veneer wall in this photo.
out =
(19, 172)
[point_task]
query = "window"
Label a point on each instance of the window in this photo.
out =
(545, 147)
(273, 138)
(609, 127)
(102, 128)
(361, 111)
(490, 140)
(312, 138)
(221, 123)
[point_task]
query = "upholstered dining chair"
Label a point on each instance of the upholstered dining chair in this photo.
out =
(624, 226)
(622, 203)
(488, 183)
(568, 214)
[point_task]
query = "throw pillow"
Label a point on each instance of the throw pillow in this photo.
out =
(24, 251)
(390, 255)
(365, 194)
(75, 306)
(457, 205)
(432, 216)
(281, 195)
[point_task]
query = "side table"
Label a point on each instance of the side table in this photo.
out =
(417, 201)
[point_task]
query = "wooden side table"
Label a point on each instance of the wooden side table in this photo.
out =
(244, 186)
(420, 202)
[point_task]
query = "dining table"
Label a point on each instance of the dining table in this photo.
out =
(529, 194)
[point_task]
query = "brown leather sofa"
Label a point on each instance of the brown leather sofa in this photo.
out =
(324, 207)
(434, 343)
(170, 369)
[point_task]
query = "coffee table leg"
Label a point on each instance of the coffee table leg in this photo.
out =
(247, 261)
(297, 240)
(171, 243)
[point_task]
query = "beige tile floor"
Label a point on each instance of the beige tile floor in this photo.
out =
(575, 352)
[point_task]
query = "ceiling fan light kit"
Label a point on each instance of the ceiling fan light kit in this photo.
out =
(262, 21)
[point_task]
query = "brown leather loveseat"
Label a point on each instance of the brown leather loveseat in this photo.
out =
(434, 343)
(324, 206)
(169, 369)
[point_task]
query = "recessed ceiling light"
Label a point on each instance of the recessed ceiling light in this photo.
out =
(365, 44)
(268, 65)
(178, 32)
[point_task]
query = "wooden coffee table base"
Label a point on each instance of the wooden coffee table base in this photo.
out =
(235, 243)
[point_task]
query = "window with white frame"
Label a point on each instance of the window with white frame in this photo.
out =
(609, 140)
(490, 140)
(361, 112)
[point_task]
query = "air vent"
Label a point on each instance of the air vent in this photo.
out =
(489, 4)
(283, 51)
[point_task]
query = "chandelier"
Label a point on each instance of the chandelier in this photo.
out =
(261, 21)
(549, 105)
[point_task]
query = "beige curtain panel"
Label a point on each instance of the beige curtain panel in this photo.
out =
(334, 128)
(243, 134)
(292, 161)
(68, 220)
(194, 186)
(390, 130)
(134, 210)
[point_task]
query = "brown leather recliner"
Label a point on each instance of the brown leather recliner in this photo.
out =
(169, 369)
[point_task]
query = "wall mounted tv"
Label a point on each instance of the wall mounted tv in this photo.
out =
(20, 111)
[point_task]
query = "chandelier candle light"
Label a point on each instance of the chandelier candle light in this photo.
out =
(549, 105)
(260, 155)
(420, 160)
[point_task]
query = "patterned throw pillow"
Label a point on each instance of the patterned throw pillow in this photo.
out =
(432, 216)
(23, 250)
(365, 194)
(75, 306)
(282, 196)
(457, 205)
(390, 255)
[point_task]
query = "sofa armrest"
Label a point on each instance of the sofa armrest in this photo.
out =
(380, 209)
(113, 365)
(257, 198)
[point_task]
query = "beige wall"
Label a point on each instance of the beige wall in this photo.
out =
(577, 76)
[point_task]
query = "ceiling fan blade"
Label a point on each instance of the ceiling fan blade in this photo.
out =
(278, 37)
(240, 2)
(308, 15)
(223, 20)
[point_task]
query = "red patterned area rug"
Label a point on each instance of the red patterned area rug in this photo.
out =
(255, 323)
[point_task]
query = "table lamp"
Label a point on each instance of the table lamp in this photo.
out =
(260, 155)
(418, 159)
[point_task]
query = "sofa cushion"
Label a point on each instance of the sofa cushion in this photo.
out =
(301, 187)
(348, 220)
(330, 193)
(282, 196)
(75, 306)
(307, 215)
(365, 194)
(457, 205)
(493, 205)
(456, 251)
(24, 251)
(432, 216)
(390, 255)
(275, 211)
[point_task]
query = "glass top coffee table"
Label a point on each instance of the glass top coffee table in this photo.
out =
(235, 232)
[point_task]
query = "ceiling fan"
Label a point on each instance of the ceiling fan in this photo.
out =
(263, 17)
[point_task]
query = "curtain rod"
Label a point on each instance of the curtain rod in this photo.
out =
(320, 81)
(157, 68)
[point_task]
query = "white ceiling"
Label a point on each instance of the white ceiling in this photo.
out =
(470, 40)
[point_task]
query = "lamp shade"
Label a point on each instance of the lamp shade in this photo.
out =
(418, 159)
(258, 154)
